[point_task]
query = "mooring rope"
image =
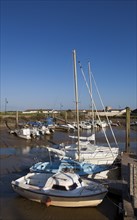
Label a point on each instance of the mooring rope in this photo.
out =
(120, 208)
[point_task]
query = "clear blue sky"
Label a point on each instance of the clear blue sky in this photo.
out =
(37, 40)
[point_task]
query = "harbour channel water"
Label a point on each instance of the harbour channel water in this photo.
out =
(17, 155)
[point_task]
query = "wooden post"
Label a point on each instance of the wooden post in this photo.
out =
(17, 118)
(127, 130)
(66, 116)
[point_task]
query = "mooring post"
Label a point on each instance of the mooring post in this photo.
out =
(17, 118)
(127, 130)
(66, 117)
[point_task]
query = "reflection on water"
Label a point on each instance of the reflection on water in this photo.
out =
(40, 150)
(133, 146)
(27, 150)
(7, 151)
(59, 137)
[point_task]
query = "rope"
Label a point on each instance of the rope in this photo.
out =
(122, 210)
(94, 106)
(104, 108)
(100, 100)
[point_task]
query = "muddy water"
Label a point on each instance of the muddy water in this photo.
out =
(15, 207)
(17, 155)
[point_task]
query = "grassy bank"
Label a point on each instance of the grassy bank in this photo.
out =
(14, 118)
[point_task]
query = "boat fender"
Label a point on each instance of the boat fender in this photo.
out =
(48, 202)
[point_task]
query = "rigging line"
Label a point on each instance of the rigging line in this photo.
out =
(104, 108)
(95, 106)
(122, 210)
(90, 83)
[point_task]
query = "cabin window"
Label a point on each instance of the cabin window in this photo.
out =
(80, 180)
(74, 186)
(59, 187)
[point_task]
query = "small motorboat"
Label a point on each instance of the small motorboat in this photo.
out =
(22, 133)
(63, 189)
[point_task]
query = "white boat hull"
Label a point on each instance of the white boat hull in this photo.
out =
(62, 189)
(27, 137)
(38, 196)
(98, 156)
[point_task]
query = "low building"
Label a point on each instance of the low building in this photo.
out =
(109, 113)
(44, 111)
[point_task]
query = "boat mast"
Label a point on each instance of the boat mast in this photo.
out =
(76, 99)
(91, 95)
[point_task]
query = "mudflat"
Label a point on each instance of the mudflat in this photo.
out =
(17, 155)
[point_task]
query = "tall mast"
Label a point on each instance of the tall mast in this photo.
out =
(76, 99)
(91, 95)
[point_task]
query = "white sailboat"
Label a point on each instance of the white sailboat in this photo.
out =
(84, 150)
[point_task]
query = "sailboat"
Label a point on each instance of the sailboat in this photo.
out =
(84, 150)
(64, 188)
(82, 157)
(63, 164)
